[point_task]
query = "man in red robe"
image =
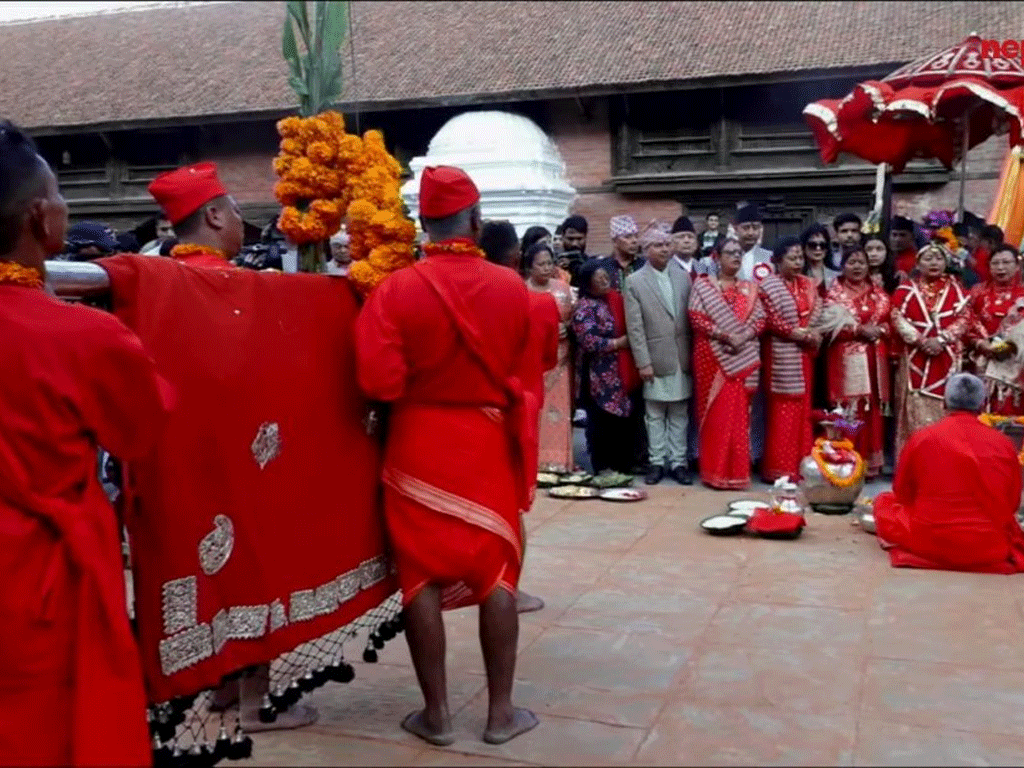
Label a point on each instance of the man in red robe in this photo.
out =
(446, 342)
(500, 244)
(210, 231)
(956, 493)
(75, 378)
(206, 219)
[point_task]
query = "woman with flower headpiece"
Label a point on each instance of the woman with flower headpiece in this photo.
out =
(792, 306)
(997, 307)
(931, 314)
(858, 355)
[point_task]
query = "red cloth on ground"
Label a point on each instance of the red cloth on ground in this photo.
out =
(954, 499)
(454, 472)
(71, 689)
(268, 442)
(627, 365)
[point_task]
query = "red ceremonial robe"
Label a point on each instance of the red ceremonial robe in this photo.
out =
(255, 522)
(71, 689)
(956, 491)
(446, 342)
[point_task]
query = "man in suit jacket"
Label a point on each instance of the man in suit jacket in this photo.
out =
(657, 324)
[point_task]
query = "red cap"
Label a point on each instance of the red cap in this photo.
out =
(184, 191)
(446, 190)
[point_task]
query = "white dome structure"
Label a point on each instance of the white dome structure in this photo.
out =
(516, 167)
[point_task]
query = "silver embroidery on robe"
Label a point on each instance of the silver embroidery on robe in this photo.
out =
(373, 571)
(348, 585)
(278, 617)
(220, 630)
(267, 445)
(247, 621)
(180, 604)
(216, 546)
(185, 649)
(326, 598)
(303, 605)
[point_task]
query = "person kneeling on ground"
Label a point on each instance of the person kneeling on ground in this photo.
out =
(956, 492)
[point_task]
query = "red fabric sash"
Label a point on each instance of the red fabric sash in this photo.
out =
(631, 380)
(265, 454)
(108, 704)
(522, 419)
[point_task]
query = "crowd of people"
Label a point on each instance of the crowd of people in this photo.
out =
(683, 350)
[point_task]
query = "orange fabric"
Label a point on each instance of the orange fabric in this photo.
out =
(269, 421)
(956, 491)
(453, 465)
(71, 688)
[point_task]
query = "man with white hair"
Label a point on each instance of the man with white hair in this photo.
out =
(956, 493)
(341, 260)
(658, 327)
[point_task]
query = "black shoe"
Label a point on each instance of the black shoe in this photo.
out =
(654, 475)
(682, 476)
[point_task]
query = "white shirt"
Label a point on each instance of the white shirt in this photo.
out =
(690, 266)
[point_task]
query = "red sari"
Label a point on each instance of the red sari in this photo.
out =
(858, 370)
(991, 306)
(789, 367)
(926, 310)
(726, 381)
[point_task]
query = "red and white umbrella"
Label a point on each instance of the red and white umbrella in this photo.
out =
(937, 107)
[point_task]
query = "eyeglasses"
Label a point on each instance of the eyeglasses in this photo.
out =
(816, 245)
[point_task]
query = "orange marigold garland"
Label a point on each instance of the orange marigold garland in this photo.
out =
(16, 274)
(845, 447)
(325, 176)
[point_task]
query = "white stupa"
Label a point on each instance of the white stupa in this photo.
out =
(517, 168)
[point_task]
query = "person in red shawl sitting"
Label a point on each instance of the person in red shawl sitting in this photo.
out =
(446, 343)
(75, 379)
(956, 493)
(206, 219)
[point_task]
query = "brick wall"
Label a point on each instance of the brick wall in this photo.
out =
(585, 144)
(249, 177)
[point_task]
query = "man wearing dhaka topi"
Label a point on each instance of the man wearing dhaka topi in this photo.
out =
(74, 379)
(956, 493)
(206, 219)
(446, 342)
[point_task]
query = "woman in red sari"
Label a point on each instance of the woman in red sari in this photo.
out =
(931, 315)
(792, 308)
(996, 312)
(858, 356)
(727, 317)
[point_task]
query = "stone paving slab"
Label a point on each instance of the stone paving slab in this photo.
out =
(661, 645)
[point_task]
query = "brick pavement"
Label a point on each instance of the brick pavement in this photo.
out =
(663, 645)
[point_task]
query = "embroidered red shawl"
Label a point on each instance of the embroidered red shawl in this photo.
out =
(706, 297)
(787, 374)
(916, 317)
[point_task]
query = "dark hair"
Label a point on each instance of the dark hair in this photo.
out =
(888, 267)
(531, 254)
(961, 230)
(575, 222)
(1008, 248)
(168, 245)
(585, 276)
(848, 252)
(533, 235)
(805, 238)
(21, 180)
(713, 213)
(846, 218)
(992, 232)
(496, 238)
(784, 245)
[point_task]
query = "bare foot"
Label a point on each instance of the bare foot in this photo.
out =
(298, 716)
(527, 603)
(523, 720)
(416, 725)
